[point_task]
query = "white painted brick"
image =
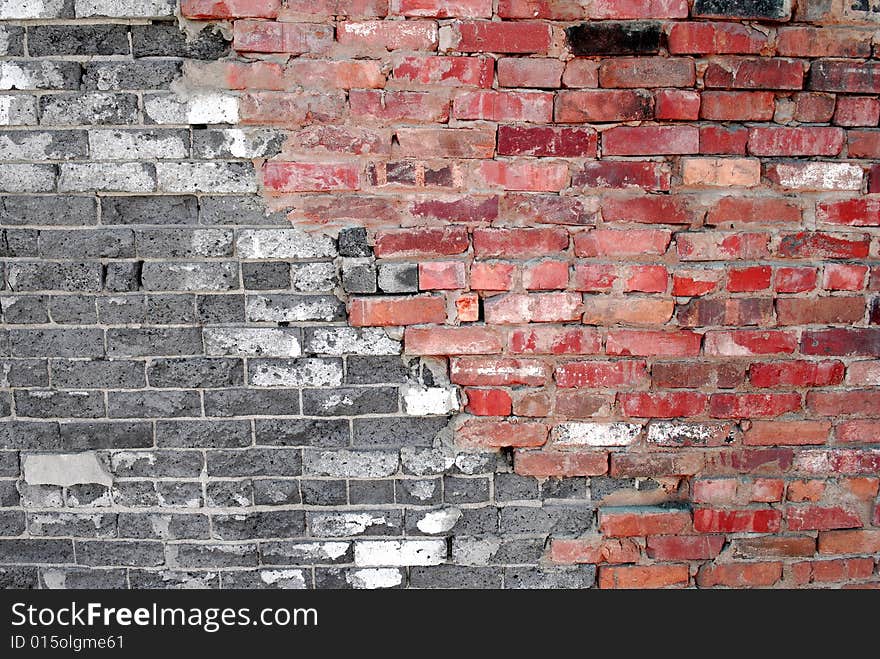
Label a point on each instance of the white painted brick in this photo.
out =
(125, 8)
(213, 177)
(595, 434)
(373, 578)
(18, 110)
(114, 144)
(820, 176)
(344, 524)
(399, 552)
(26, 9)
(252, 341)
(352, 341)
(64, 469)
(107, 177)
(291, 579)
(209, 109)
(424, 401)
(438, 521)
(283, 244)
(33, 74)
(304, 372)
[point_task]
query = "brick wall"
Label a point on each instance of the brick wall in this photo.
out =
(439, 293)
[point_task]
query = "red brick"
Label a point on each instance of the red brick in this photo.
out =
(728, 491)
(530, 209)
(712, 520)
(654, 465)
(856, 402)
(832, 571)
(379, 311)
(687, 283)
(863, 143)
(748, 461)
(555, 341)
(342, 74)
(519, 243)
(467, 209)
(749, 342)
(859, 211)
(739, 575)
(501, 37)
(650, 175)
(484, 433)
(546, 276)
(594, 277)
(787, 433)
(865, 373)
(860, 432)
(844, 277)
(690, 375)
(796, 373)
(754, 210)
(446, 71)
(754, 73)
(816, 245)
(715, 38)
(795, 280)
(684, 547)
(745, 406)
(650, 140)
(806, 490)
(547, 141)
(442, 8)
(648, 311)
(731, 311)
(665, 405)
(814, 108)
(606, 105)
(644, 576)
(629, 522)
(647, 279)
(546, 464)
(849, 542)
(295, 38)
(296, 9)
(842, 341)
(522, 175)
(608, 242)
(593, 550)
(857, 111)
(444, 143)
(387, 35)
(581, 72)
(530, 72)
(738, 106)
(808, 141)
(816, 518)
(306, 177)
(421, 242)
(602, 375)
(744, 280)
(815, 175)
(650, 209)
(677, 104)
(827, 41)
(515, 309)
(658, 343)
(467, 307)
(526, 106)
(851, 77)
(442, 275)
(603, 9)
(406, 106)
(773, 546)
(292, 110)
(581, 405)
(715, 246)
(723, 140)
(501, 371)
(488, 402)
(229, 8)
(491, 276)
(640, 72)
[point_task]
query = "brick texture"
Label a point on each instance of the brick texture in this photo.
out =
(430, 293)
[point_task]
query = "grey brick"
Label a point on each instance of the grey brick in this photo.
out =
(73, 309)
(22, 309)
(247, 210)
(284, 244)
(477, 521)
(30, 435)
(230, 494)
(353, 242)
(90, 243)
(341, 524)
(122, 276)
(168, 40)
(67, 342)
(324, 492)
(157, 464)
(46, 40)
(153, 404)
(49, 276)
(220, 309)
(5, 404)
(266, 276)
(255, 462)
(163, 526)
(141, 553)
(135, 494)
(247, 402)
(213, 555)
(172, 579)
(350, 463)
(11, 40)
(88, 109)
(9, 464)
(45, 9)
(581, 576)
(236, 143)
(138, 144)
(253, 341)
(11, 523)
(454, 576)
(295, 372)
(88, 495)
(276, 492)
(379, 370)
(264, 524)
(358, 275)
(756, 9)
(19, 578)
(115, 76)
(80, 525)
(125, 8)
(264, 579)
(158, 309)
(371, 492)
(43, 145)
(398, 277)
(350, 340)
(78, 436)
(314, 277)
(513, 487)
(183, 243)
(418, 491)
(18, 110)
(25, 74)
(97, 374)
(323, 433)
(47, 403)
(36, 551)
(153, 342)
(199, 276)
(150, 210)
(27, 178)
(107, 177)
(457, 489)
(41, 496)
(24, 373)
(212, 177)
(306, 553)
(179, 495)
(565, 488)
(397, 431)
(201, 372)
(293, 308)
(349, 401)
(74, 578)
(68, 210)
(203, 434)
(19, 242)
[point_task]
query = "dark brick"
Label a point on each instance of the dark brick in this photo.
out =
(615, 38)
(771, 10)
(168, 40)
(46, 40)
